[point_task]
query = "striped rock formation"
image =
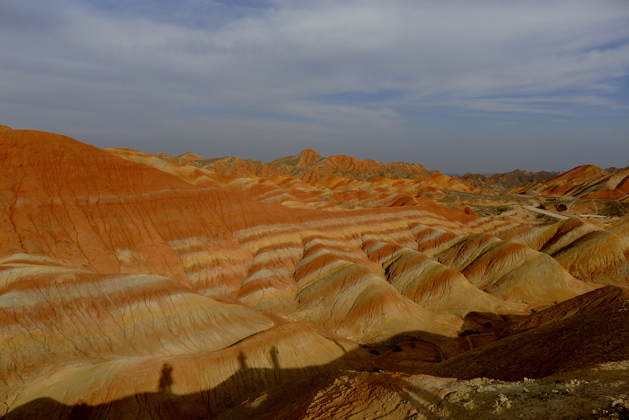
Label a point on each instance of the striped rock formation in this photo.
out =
(591, 251)
(432, 284)
(511, 271)
(510, 181)
(137, 286)
(587, 181)
(310, 166)
(334, 187)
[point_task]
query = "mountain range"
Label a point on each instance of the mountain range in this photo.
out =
(138, 286)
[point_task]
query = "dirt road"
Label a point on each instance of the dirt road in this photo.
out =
(546, 212)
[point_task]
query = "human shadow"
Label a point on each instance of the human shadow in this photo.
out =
(275, 358)
(166, 379)
(248, 393)
(255, 390)
(268, 393)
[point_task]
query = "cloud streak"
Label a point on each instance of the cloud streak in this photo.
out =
(311, 70)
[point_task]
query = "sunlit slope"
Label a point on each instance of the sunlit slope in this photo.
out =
(52, 317)
(108, 266)
(511, 271)
(139, 286)
(343, 291)
(589, 250)
(347, 184)
(431, 284)
(76, 203)
(587, 181)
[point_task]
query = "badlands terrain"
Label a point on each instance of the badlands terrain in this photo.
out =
(137, 286)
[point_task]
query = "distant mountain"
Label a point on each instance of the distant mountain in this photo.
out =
(182, 159)
(504, 182)
(311, 166)
(586, 181)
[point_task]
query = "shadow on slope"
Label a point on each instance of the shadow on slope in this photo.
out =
(580, 341)
(293, 392)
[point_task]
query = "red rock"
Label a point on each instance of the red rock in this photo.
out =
(133, 284)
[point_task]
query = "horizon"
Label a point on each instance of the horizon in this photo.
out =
(461, 88)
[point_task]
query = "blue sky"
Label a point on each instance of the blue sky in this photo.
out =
(483, 86)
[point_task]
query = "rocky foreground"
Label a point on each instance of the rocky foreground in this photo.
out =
(138, 286)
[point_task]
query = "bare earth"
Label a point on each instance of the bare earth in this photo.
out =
(137, 286)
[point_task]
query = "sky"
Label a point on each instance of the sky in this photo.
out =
(460, 86)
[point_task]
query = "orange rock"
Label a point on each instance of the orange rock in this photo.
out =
(132, 284)
(587, 181)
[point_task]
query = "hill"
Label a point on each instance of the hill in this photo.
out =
(140, 286)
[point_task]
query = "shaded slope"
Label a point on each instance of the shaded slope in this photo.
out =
(583, 303)
(581, 341)
(186, 386)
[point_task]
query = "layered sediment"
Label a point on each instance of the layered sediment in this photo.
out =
(136, 286)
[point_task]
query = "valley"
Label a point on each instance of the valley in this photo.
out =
(139, 286)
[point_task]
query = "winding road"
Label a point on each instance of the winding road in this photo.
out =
(561, 216)
(546, 212)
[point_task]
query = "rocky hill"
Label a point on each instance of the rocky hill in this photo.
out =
(509, 181)
(587, 181)
(137, 286)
